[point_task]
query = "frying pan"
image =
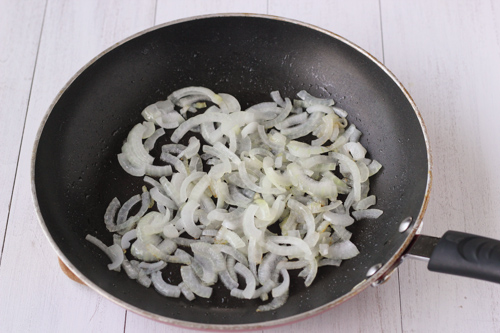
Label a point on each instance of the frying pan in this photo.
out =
(75, 172)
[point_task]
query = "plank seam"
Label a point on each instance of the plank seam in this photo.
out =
(22, 133)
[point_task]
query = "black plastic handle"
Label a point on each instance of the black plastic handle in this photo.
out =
(468, 255)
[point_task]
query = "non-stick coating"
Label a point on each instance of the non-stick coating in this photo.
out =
(76, 172)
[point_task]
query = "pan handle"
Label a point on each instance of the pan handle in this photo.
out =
(459, 253)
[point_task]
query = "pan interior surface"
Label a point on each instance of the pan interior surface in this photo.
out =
(76, 172)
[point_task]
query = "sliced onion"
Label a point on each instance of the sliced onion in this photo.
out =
(183, 195)
(125, 209)
(282, 289)
(131, 270)
(338, 219)
(365, 203)
(276, 303)
(268, 266)
(193, 283)
(164, 288)
(186, 292)
(342, 250)
(127, 237)
(231, 237)
(114, 252)
(150, 142)
(150, 268)
(367, 214)
(143, 279)
(249, 280)
(353, 170)
(258, 176)
(109, 216)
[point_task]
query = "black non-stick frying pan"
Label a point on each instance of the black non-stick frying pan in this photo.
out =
(75, 172)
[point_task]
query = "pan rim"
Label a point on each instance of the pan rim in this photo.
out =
(385, 269)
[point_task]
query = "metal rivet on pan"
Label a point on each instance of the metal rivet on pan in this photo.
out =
(405, 224)
(372, 270)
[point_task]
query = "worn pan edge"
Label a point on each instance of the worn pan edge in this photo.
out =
(411, 232)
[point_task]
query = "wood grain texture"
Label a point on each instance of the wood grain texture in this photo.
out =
(169, 10)
(447, 54)
(39, 296)
(20, 28)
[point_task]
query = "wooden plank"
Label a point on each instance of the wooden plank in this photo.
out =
(447, 54)
(36, 294)
(170, 10)
(20, 30)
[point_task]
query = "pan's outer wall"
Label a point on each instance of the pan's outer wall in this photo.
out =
(76, 173)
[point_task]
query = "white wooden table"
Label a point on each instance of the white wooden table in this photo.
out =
(446, 53)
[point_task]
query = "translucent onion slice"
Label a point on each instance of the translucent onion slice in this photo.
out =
(356, 150)
(249, 281)
(229, 103)
(374, 167)
(175, 162)
(313, 121)
(312, 236)
(132, 271)
(342, 250)
(298, 247)
(127, 237)
(309, 99)
(134, 143)
(162, 199)
(287, 108)
(187, 218)
(183, 195)
(192, 149)
(282, 289)
(150, 142)
(341, 113)
(114, 252)
(178, 94)
(258, 175)
(231, 237)
(365, 203)
(171, 191)
(276, 303)
(367, 214)
(186, 292)
(252, 186)
(303, 150)
(164, 288)
(211, 117)
(268, 266)
(213, 253)
(338, 219)
(193, 283)
(143, 279)
(150, 268)
(353, 170)
(125, 209)
(109, 216)
(228, 281)
(324, 188)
